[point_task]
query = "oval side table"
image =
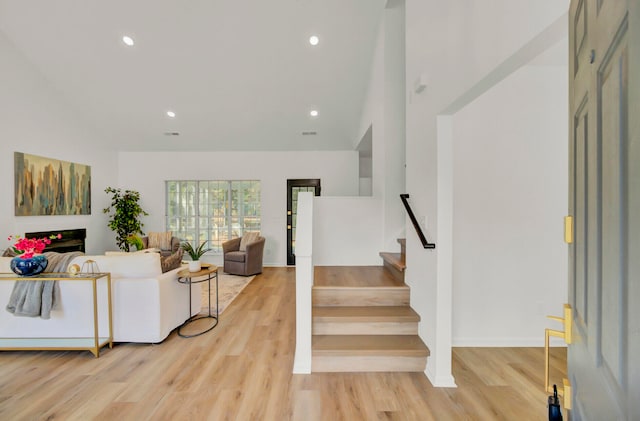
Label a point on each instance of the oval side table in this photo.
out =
(186, 277)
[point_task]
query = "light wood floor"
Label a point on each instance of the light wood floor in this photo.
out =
(242, 371)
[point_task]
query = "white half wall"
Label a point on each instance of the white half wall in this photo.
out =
(147, 172)
(35, 119)
(510, 195)
(347, 231)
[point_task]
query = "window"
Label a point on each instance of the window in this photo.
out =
(216, 211)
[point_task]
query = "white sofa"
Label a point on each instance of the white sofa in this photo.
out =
(147, 304)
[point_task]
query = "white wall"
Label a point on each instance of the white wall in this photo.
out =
(510, 163)
(346, 231)
(35, 119)
(394, 126)
(146, 172)
(455, 43)
(384, 112)
(372, 118)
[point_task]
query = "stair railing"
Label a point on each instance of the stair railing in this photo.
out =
(423, 239)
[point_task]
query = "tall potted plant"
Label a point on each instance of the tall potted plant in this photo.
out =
(125, 219)
(195, 253)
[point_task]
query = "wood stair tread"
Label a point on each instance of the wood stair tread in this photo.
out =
(350, 296)
(394, 259)
(361, 345)
(363, 288)
(348, 314)
(353, 276)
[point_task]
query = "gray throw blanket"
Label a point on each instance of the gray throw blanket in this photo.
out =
(37, 298)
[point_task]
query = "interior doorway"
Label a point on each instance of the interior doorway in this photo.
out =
(293, 188)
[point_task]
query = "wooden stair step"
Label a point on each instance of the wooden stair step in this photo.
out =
(394, 259)
(365, 314)
(403, 245)
(366, 353)
(360, 296)
(360, 345)
(394, 263)
(370, 320)
(353, 276)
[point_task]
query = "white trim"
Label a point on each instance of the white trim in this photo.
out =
(440, 381)
(506, 342)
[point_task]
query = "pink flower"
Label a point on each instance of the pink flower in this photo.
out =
(28, 247)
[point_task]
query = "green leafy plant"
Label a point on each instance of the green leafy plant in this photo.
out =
(195, 253)
(125, 217)
(135, 240)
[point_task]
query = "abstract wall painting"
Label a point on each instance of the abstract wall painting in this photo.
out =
(46, 186)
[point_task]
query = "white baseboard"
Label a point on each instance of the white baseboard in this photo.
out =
(301, 365)
(440, 381)
(505, 342)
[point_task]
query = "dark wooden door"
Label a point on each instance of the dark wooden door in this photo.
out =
(293, 188)
(603, 357)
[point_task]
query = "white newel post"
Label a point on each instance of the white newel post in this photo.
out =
(304, 282)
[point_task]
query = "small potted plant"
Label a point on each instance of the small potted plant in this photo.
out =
(195, 253)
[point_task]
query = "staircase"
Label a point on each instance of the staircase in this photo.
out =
(362, 320)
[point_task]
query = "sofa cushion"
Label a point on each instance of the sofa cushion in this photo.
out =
(9, 253)
(131, 265)
(160, 240)
(172, 261)
(235, 256)
(248, 238)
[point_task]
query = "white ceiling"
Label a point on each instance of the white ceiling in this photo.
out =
(240, 74)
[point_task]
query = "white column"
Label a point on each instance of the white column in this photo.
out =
(304, 283)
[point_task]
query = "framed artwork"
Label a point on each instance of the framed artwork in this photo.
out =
(46, 186)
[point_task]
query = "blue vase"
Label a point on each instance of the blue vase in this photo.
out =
(29, 267)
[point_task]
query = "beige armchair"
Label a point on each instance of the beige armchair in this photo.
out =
(243, 262)
(175, 246)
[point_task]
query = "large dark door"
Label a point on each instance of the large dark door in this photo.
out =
(603, 358)
(293, 188)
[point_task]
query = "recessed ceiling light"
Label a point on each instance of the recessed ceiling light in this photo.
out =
(314, 40)
(128, 40)
(313, 113)
(171, 114)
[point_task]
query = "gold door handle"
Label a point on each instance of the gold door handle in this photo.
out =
(567, 324)
(568, 229)
(567, 321)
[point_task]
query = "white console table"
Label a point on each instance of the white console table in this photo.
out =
(89, 343)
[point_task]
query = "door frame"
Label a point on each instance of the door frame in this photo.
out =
(291, 183)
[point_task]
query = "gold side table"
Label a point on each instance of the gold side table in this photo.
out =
(88, 343)
(186, 277)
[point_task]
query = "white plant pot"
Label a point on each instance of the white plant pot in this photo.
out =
(194, 266)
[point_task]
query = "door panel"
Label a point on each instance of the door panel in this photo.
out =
(599, 359)
(580, 280)
(612, 103)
